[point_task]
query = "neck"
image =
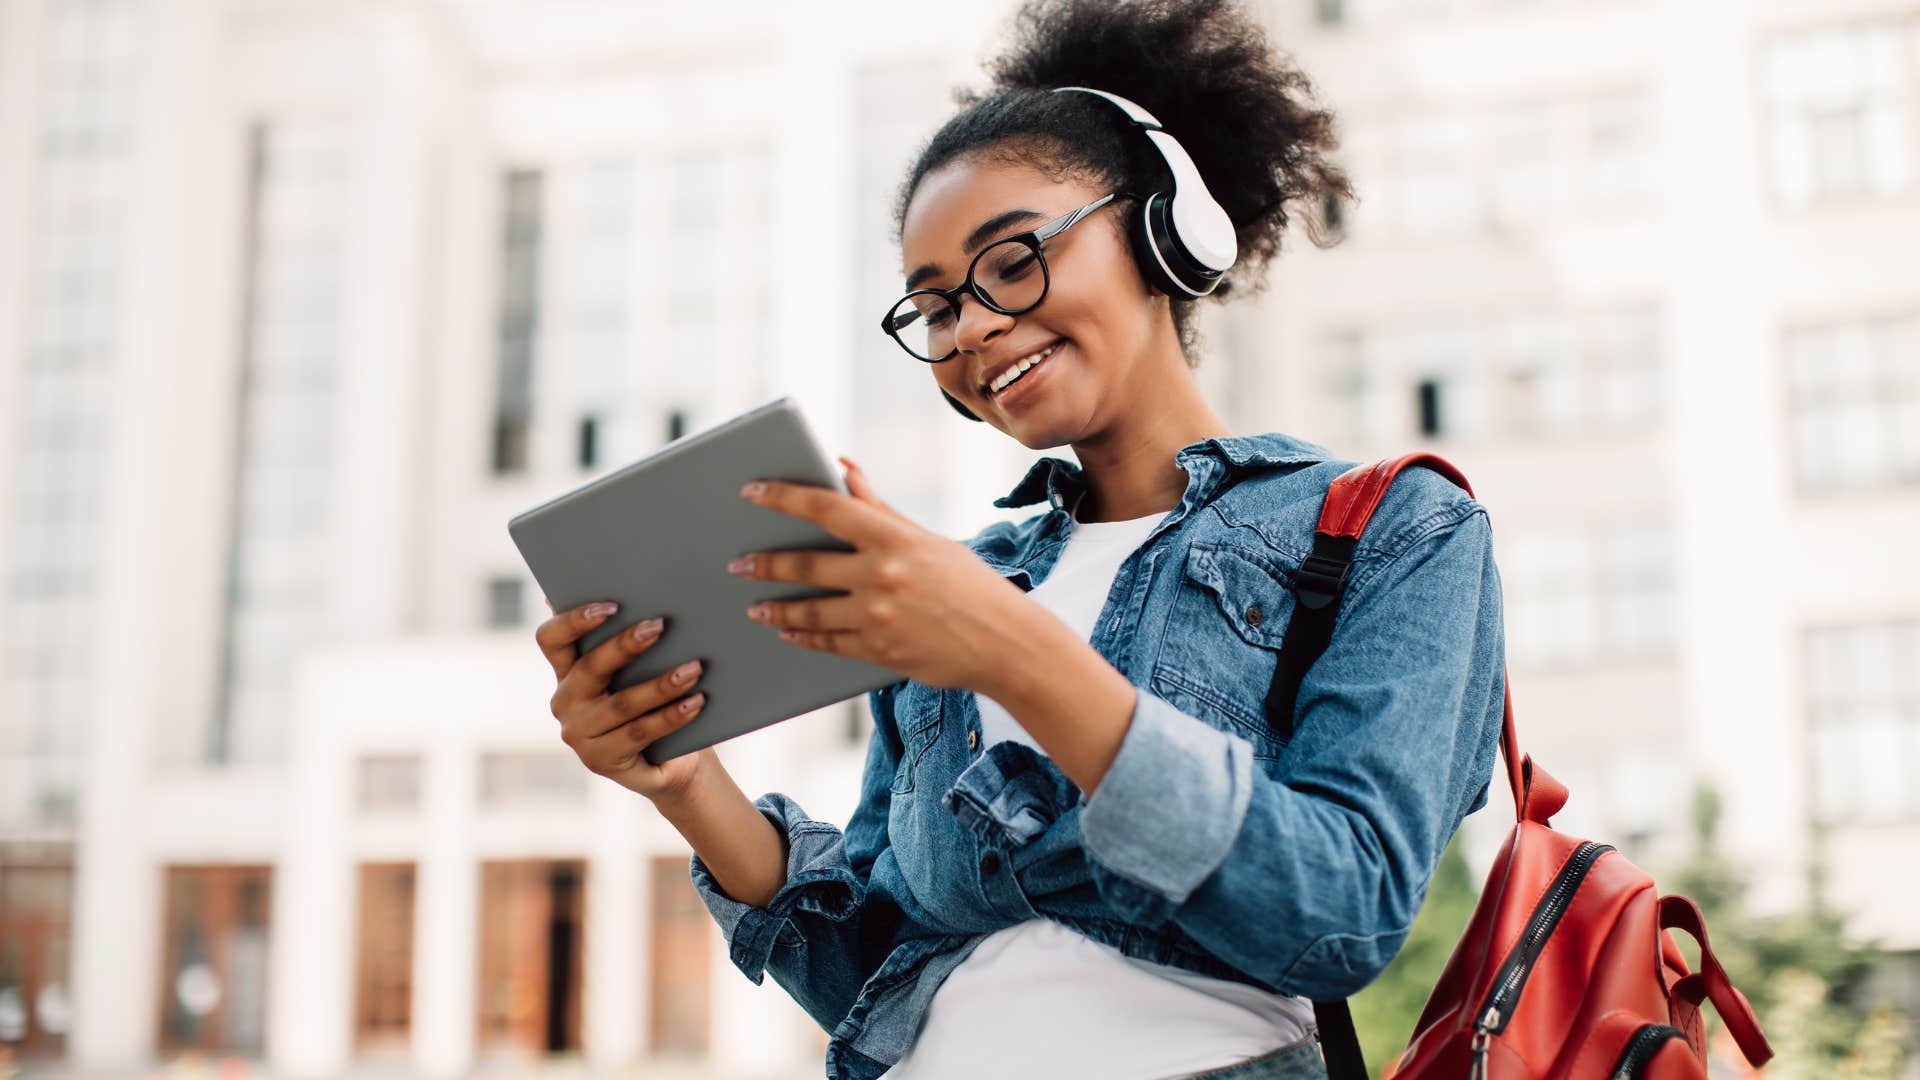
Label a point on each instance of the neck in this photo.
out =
(1129, 464)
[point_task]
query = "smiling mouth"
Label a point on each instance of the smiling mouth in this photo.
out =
(1014, 374)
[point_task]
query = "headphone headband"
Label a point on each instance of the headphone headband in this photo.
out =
(1189, 236)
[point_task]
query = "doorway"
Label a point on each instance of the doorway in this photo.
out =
(213, 988)
(532, 916)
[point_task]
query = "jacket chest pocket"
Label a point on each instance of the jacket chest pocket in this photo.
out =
(1223, 636)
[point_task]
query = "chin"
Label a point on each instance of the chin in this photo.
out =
(1043, 429)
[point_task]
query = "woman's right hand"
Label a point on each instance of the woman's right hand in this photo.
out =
(608, 731)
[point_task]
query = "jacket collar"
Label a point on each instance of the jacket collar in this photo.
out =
(1207, 462)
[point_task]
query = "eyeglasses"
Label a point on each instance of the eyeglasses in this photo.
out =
(1008, 276)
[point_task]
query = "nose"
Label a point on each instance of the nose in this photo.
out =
(978, 324)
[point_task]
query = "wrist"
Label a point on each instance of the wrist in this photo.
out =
(686, 801)
(1028, 641)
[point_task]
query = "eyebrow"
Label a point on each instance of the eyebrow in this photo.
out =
(988, 230)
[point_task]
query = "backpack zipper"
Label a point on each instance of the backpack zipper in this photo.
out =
(1641, 1047)
(1498, 1008)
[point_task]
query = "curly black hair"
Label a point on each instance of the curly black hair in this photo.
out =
(1205, 69)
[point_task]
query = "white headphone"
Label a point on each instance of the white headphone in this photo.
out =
(1182, 238)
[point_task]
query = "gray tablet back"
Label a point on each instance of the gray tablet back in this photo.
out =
(656, 537)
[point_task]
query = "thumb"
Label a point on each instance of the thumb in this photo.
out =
(858, 485)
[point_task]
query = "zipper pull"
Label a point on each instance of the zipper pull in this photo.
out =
(1482, 1036)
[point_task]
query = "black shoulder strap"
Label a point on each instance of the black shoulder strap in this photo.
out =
(1351, 500)
(1317, 588)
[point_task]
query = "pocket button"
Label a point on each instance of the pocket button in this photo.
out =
(1253, 614)
(973, 740)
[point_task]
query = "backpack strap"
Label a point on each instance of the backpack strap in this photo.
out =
(1351, 500)
(1711, 982)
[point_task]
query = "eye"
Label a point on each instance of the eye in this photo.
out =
(1008, 261)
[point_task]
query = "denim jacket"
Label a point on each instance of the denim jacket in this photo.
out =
(1211, 844)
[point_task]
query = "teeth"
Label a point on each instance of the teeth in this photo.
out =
(1000, 383)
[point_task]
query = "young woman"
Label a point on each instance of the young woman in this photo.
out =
(1080, 847)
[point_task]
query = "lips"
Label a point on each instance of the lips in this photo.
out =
(986, 384)
(1015, 393)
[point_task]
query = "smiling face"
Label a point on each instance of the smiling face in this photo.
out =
(1109, 330)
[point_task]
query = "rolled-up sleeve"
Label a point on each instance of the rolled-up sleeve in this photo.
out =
(820, 883)
(818, 934)
(1195, 783)
(1309, 876)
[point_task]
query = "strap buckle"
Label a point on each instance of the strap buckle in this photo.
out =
(1320, 579)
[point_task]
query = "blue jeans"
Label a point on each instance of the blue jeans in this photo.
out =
(1299, 1061)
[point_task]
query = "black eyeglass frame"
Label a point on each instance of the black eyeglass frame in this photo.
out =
(1032, 238)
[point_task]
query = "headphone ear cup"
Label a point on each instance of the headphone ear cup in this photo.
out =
(1140, 239)
(959, 408)
(1194, 279)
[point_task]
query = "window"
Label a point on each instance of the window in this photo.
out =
(504, 602)
(589, 441)
(387, 783)
(89, 75)
(1854, 413)
(514, 780)
(519, 320)
(1863, 715)
(383, 1014)
(717, 319)
(590, 298)
(1582, 594)
(285, 428)
(1546, 375)
(1840, 107)
(682, 968)
(1449, 170)
(1429, 401)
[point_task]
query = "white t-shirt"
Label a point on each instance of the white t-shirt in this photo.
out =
(1056, 1002)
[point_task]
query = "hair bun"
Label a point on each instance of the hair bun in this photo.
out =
(1208, 72)
(1204, 68)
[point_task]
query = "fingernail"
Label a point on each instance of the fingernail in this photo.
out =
(693, 702)
(602, 609)
(647, 628)
(741, 565)
(753, 489)
(757, 612)
(685, 672)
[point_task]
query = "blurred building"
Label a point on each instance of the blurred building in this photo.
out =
(308, 299)
(1642, 271)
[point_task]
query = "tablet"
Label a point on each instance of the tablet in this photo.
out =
(656, 535)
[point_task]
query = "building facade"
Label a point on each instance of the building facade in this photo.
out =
(1638, 269)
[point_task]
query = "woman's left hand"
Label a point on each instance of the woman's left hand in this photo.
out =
(915, 601)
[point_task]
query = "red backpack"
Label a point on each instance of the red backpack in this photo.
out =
(1568, 969)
